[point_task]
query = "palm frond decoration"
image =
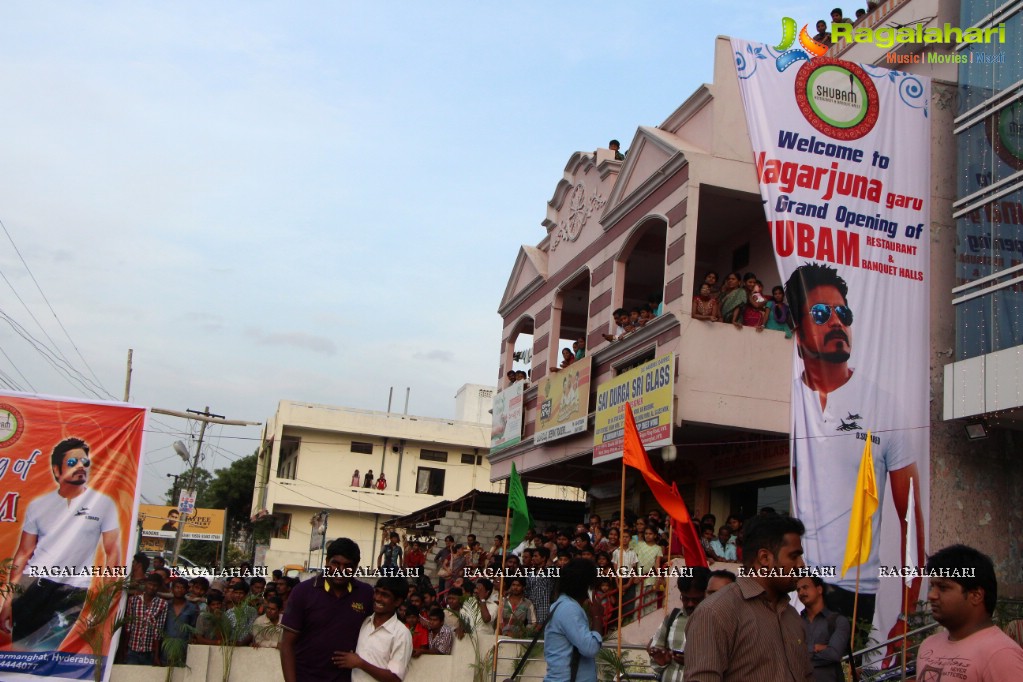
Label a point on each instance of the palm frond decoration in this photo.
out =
(99, 619)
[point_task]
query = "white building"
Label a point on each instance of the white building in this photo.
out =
(310, 454)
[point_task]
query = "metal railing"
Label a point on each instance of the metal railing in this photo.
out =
(881, 667)
(647, 602)
(518, 647)
(874, 665)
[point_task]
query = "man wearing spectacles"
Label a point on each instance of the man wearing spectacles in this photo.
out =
(57, 553)
(833, 407)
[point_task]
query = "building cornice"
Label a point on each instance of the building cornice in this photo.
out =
(693, 104)
(645, 189)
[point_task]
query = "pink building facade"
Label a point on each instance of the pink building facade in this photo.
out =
(619, 233)
(683, 202)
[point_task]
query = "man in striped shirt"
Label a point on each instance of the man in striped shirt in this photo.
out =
(748, 631)
(540, 588)
(669, 642)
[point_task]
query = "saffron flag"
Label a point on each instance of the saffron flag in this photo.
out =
(911, 558)
(521, 520)
(861, 531)
(634, 455)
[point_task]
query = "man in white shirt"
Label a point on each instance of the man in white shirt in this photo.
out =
(385, 644)
(480, 610)
(722, 548)
(62, 529)
(526, 543)
(833, 407)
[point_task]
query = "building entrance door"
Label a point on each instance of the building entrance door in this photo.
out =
(747, 498)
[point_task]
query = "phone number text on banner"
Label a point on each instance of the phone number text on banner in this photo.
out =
(650, 389)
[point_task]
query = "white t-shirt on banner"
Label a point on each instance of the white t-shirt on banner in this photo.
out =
(69, 535)
(828, 446)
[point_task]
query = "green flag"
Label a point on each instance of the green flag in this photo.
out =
(521, 520)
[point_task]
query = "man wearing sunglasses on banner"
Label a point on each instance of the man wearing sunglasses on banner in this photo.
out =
(57, 554)
(833, 407)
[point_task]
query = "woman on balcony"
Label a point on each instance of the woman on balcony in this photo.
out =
(733, 300)
(778, 317)
(755, 312)
(705, 306)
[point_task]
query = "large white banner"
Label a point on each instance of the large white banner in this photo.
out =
(842, 154)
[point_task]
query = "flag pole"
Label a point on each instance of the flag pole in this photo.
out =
(909, 555)
(852, 633)
(621, 554)
(667, 587)
(500, 588)
(905, 628)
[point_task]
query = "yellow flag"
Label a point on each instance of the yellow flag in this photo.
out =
(861, 532)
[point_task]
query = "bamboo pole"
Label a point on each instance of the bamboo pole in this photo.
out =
(621, 555)
(905, 628)
(852, 633)
(667, 584)
(500, 589)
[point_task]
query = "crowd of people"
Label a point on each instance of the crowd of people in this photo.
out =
(823, 35)
(725, 627)
(740, 301)
(638, 547)
(166, 613)
(368, 481)
(629, 320)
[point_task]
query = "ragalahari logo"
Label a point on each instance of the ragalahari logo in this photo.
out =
(808, 47)
(835, 96)
(887, 37)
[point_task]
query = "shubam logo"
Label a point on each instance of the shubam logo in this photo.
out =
(835, 96)
(12, 425)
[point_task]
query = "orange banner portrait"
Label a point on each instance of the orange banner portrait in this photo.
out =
(69, 475)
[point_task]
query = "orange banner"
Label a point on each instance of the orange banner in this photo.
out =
(69, 475)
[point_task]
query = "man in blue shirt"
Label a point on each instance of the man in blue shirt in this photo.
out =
(572, 638)
(181, 618)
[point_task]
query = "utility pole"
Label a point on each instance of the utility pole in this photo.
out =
(206, 417)
(127, 377)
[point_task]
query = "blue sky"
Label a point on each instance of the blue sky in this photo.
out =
(306, 201)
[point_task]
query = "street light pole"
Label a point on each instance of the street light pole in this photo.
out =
(206, 417)
(191, 484)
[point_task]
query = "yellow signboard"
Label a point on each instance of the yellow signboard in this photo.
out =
(650, 389)
(161, 521)
(563, 401)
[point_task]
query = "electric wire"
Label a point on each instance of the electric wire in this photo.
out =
(97, 382)
(53, 345)
(29, 383)
(50, 358)
(6, 380)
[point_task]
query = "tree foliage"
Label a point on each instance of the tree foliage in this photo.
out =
(229, 488)
(203, 479)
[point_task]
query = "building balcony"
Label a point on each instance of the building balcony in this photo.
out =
(298, 493)
(737, 378)
(726, 379)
